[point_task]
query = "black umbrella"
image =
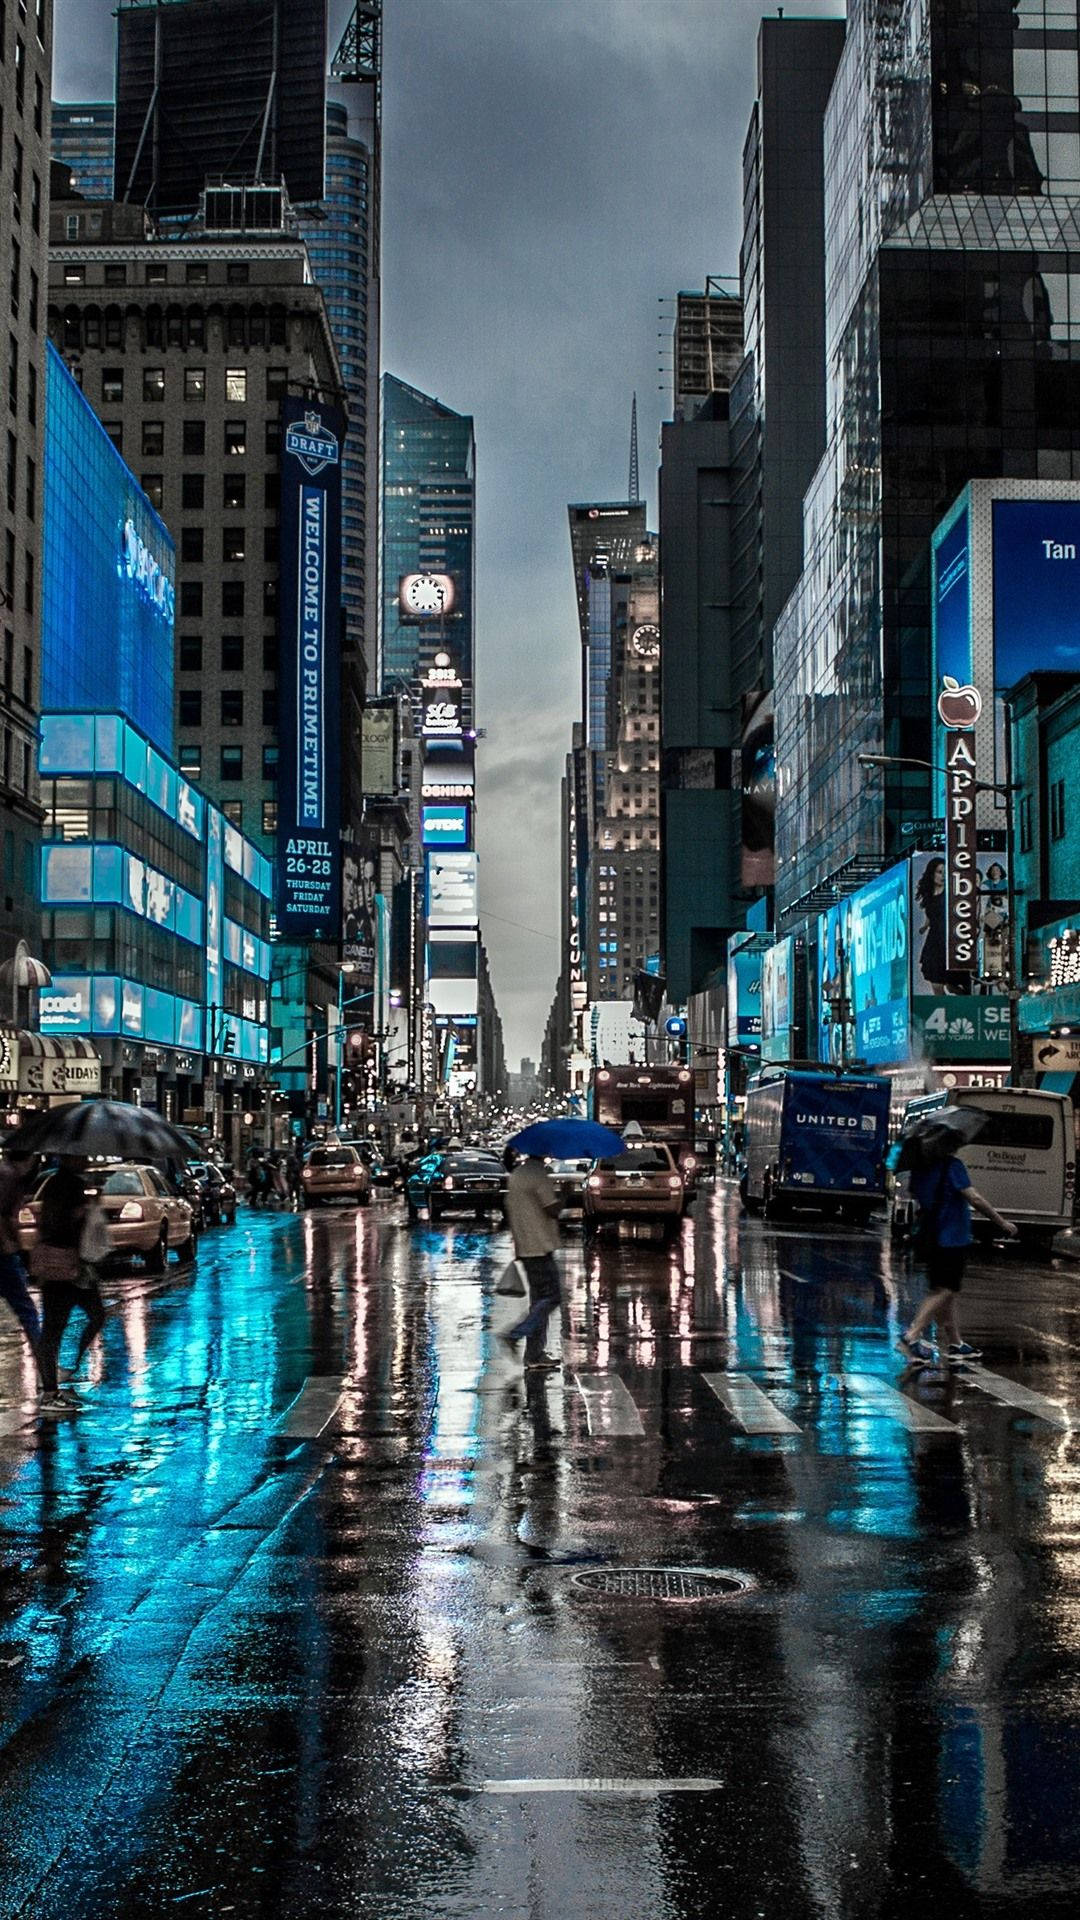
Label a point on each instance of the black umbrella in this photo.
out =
(101, 1129)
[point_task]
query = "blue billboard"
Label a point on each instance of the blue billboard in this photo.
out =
(1036, 588)
(107, 574)
(444, 826)
(835, 1024)
(880, 971)
(308, 889)
(744, 999)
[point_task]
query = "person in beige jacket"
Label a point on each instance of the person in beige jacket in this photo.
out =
(532, 1211)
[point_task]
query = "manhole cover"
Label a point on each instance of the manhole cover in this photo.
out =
(664, 1583)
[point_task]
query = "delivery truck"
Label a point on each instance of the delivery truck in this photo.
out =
(815, 1139)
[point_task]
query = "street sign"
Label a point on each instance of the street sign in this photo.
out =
(1056, 1054)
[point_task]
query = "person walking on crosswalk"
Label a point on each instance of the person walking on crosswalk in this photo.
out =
(532, 1212)
(946, 1198)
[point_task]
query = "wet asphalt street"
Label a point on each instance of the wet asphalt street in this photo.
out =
(302, 1615)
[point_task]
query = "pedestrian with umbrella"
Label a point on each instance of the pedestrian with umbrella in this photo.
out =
(61, 1265)
(15, 1170)
(941, 1184)
(532, 1211)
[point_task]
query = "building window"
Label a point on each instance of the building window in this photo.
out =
(153, 383)
(1057, 810)
(13, 373)
(28, 582)
(269, 763)
(12, 471)
(35, 203)
(31, 394)
(232, 599)
(74, 276)
(115, 276)
(271, 544)
(190, 760)
(232, 653)
(35, 297)
(270, 598)
(270, 652)
(269, 816)
(273, 435)
(191, 600)
(191, 653)
(31, 488)
(193, 491)
(234, 490)
(194, 383)
(190, 708)
(153, 486)
(234, 812)
(39, 104)
(236, 386)
(270, 707)
(232, 543)
(153, 436)
(196, 273)
(232, 763)
(236, 273)
(277, 382)
(272, 492)
(235, 438)
(156, 273)
(1026, 841)
(232, 708)
(191, 543)
(194, 439)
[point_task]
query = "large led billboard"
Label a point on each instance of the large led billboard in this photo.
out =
(744, 999)
(1036, 588)
(308, 890)
(444, 826)
(879, 968)
(777, 998)
(107, 576)
(452, 890)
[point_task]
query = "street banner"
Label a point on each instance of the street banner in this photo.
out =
(308, 880)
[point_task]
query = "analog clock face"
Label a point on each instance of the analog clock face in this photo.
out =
(428, 593)
(645, 641)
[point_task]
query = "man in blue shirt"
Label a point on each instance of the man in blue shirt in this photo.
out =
(946, 1197)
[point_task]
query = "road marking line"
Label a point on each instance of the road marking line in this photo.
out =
(597, 1783)
(1048, 1339)
(609, 1410)
(911, 1413)
(313, 1409)
(752, 1409)
(1011, 1394)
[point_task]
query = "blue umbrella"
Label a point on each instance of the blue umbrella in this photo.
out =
(568, 1140)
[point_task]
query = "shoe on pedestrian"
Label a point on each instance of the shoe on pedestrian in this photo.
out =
(58, 1403)
(918, 1350)
(959, 1352)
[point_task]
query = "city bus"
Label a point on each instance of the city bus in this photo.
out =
(660, 1100)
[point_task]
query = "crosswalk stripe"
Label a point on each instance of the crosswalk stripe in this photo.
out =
(911, 1413)
(752, 1409)
(1011, 1394)
(313, 1409)
(609, 1410)
(645, 1789)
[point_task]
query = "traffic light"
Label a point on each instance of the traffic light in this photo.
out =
(228, 1040)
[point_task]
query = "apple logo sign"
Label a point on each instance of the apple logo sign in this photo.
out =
(958, 706)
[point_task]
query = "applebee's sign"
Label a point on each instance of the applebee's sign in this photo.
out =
(958, 710)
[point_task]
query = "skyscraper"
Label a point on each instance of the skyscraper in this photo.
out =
(82, 139)
(952, 196)
(25, 71)
(343, 245)
(429, 510)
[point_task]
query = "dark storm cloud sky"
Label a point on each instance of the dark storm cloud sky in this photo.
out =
(552, 169)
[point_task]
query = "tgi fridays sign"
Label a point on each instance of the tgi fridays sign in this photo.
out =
(958, 710)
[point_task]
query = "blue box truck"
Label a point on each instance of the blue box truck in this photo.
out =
(815, 1139)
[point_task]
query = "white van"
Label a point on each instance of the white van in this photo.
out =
(1023, 1160)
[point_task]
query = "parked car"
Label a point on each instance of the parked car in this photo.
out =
(142, 1214)
(216, 1193)
(465, 1180)
(335, 1173)
(644, 1183)
(1023, 1160)
(568, 1177)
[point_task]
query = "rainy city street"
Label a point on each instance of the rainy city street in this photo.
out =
(318, 1608)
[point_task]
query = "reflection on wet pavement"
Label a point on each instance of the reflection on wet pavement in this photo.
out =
(292, 1622)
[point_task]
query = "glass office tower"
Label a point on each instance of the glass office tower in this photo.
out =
(952, 237)
(82, 137)
(428, 520)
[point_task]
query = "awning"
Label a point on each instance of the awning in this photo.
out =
(49, 1063)
(1058, 1083)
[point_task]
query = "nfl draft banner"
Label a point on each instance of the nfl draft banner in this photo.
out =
(308, 886)
(958, 710)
